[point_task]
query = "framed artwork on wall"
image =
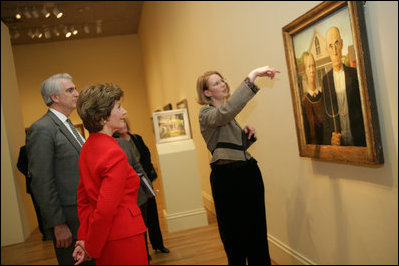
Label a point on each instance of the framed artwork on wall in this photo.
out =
(332, 86)
(167, 107)
(171, 126)
(184, 105)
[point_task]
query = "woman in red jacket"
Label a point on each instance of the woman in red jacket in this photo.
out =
(111, 226)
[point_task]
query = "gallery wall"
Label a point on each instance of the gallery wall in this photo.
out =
(318, 212)
(113, 59)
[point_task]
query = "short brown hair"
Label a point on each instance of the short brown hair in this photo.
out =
(96, 102)
(202, 85)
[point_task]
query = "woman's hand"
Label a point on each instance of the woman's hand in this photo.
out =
(251, 131)
(80, 254)
(265, 71)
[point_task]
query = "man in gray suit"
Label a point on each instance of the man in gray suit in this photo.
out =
(53, 147)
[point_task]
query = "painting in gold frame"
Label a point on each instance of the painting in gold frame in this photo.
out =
(332, 86)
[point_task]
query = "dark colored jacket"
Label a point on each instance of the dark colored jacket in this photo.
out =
(354, 106)
(145, 159)
(53, 155)
(22, 166)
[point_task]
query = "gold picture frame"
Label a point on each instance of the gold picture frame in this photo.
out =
(333, 29)
(170, 126)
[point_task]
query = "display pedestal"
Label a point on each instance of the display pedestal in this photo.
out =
(180, 178)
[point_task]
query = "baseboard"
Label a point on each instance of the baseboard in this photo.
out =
(284, 255)
(280, 253)
(208, 202)
(186, 220)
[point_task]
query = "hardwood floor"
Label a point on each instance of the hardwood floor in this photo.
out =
(198, 246)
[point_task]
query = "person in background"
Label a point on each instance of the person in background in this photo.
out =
(312, 103)
(53, 147)
(111, 226)
(149, 209)
(236, 181)
(22, 166)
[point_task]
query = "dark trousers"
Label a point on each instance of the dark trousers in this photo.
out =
(238, 193)
(149, 212)
(38, 215)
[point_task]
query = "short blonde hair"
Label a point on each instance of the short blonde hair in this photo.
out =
(202, 85)
(96, 102)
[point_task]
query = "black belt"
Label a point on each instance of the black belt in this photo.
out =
(228, 145)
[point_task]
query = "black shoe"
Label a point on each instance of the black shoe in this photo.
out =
(162, 249)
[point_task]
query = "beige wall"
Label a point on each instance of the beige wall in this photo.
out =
(317, 212)
(114, 59)
(17, 213)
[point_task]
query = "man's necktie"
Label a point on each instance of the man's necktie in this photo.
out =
(75, 132)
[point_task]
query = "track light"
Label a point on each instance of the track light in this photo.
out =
(57, 13)
(67, 33)
(99, 27)
(30, 34)
(45, 13)
(27, 13)
(47, 33)
(56, 32)
(14, 34)
(86, 29)
(18, 14)
(74, 30)
(34, 12)
(38, 34)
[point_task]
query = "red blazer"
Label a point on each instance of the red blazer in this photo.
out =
(107, 194)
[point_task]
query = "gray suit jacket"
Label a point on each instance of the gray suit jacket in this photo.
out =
(53, 155)
(143, 194)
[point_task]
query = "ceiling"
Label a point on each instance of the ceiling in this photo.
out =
(114, 18)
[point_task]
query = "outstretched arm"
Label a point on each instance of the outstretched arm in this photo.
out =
(265, 71)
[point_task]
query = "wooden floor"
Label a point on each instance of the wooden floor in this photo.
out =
(198, 246)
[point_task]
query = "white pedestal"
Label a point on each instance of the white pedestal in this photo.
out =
(180, 178)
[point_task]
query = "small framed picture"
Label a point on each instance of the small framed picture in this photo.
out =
(171, 126)
(167, 107)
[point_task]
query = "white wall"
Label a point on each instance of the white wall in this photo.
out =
(317, 212)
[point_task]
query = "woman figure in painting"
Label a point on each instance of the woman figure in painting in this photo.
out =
(236, 181)
(312, 103)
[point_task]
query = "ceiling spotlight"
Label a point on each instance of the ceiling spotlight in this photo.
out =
(86, 29)
(38, 34)
(34, 13)
(99, 27)
(47, 33)
(67, 33)
(27, 13)
(45, 13)
(31, 34)
(15, 34)
(18, 14)
(56, 32)
(57, 13)
(73, 30)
